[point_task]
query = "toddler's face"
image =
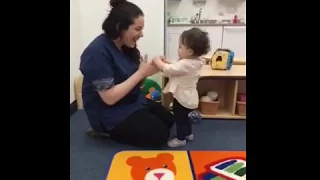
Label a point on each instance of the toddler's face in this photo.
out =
(183, 51)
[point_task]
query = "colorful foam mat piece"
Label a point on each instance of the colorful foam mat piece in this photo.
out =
(178, 165)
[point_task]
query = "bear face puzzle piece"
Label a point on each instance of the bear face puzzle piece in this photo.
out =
(160, 167)
(150, 165)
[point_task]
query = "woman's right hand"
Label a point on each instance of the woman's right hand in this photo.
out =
(147, 68)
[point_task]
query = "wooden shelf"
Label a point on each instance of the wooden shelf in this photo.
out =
(223, 114)
(226, 83)
(237, 71)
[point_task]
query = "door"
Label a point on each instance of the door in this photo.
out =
(234, 38)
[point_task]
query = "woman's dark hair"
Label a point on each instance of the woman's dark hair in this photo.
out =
(121, 16)
(197, 40)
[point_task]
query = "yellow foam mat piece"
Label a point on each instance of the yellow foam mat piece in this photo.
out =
(178, 165)
(150, 165)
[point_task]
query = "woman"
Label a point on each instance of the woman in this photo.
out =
(113, 72)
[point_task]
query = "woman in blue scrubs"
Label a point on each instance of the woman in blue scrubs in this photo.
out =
(113, 71)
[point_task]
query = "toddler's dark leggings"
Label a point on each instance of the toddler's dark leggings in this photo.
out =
(183, 124)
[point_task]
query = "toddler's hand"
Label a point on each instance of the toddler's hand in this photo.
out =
(147, 69)
(164, 59)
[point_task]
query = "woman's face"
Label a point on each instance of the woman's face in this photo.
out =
(133, 33)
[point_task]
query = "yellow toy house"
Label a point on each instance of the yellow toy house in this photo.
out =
(222, 59)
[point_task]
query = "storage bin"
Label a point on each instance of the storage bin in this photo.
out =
(209, 108)
(242, 97)
(241, 108)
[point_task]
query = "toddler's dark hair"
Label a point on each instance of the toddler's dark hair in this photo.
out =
(197, 40)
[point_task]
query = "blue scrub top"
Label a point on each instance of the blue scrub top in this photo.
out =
(103, 65)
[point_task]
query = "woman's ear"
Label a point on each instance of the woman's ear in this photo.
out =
(117, 27)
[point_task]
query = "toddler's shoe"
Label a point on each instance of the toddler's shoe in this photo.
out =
(176, 143)
(190, 137)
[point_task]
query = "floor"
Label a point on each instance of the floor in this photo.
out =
(89, 157)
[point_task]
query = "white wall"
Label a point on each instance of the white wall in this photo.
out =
(153, 41)
(93, 12)
(76, 42)
(86, 18)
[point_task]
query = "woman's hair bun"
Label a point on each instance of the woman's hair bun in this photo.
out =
(116, 3)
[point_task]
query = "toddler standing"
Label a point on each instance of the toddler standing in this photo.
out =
(183, 78)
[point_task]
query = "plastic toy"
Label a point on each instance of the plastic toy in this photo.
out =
(205, 99)
(242, 97)
(149, 85)
(222, 59)
(212, 95)
(195, 117)
(155, 95)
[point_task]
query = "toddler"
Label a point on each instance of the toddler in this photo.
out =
(183, 78)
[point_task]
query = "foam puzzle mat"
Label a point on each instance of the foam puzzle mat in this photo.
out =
(178, 165)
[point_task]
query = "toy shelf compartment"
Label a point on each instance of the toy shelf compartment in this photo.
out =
(240, 103)
(227, 90)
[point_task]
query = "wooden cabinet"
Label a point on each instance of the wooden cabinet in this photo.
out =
(234, 38)
(215, 36)
(172, 42)
(229, 37)
(172, 46)
(214, 33)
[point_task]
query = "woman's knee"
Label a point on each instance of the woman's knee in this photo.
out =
(157, 137)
